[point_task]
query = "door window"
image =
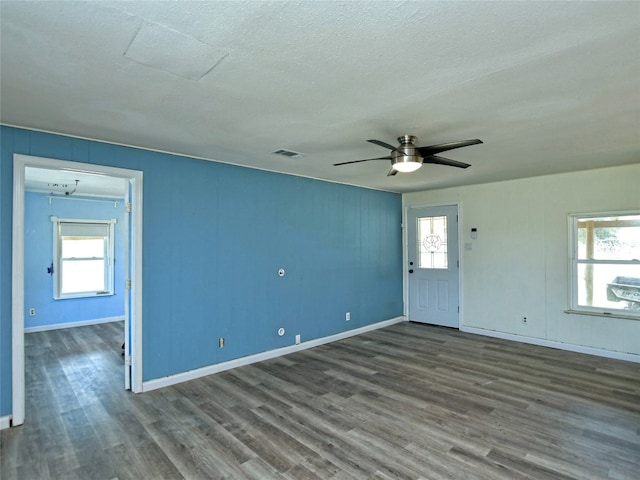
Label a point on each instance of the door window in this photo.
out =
(432, 242)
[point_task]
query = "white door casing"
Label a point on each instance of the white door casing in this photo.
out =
(126, 231)
(20, 163)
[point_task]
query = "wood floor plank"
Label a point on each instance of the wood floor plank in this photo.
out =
(409, 401)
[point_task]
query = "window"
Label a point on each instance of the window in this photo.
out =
(605, 263)
(83, 258)
(432, 242)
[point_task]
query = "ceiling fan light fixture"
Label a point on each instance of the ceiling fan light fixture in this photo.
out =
(408, 158)
(408, 166)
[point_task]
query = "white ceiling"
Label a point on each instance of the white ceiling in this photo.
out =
(73, 183)
(548, 86)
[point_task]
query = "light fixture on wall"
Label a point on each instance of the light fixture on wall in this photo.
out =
(74, 190)
(64, 186)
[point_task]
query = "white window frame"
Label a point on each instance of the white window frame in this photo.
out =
(574, 261)
(109, 258)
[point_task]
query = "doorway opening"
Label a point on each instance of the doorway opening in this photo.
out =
(132, 265)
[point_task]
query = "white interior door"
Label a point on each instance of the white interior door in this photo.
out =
(433, 265)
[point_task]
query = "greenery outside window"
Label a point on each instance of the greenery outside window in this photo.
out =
(605, 263)
(83, 252)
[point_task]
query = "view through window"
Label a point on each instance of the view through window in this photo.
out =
(606, 262)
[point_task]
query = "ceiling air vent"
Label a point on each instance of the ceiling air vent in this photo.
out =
(288, 153)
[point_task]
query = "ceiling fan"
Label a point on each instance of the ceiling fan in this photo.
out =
(409, 158)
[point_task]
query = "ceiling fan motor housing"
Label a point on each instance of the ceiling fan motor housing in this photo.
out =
(406, 152)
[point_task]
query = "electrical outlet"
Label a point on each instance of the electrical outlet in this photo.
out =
(298, 339)
(221, 342)
(525, 320)
(32, 312)
(347, 316)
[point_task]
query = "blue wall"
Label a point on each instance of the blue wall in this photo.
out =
(214, 238)
(38, 248)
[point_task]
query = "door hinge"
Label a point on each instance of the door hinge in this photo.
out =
(458, 263)
(127, 284)
(127, 360)
(128, 207)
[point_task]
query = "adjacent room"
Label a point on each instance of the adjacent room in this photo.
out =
(320, 240)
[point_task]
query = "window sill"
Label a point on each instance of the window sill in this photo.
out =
(85, 295)
(603, 314)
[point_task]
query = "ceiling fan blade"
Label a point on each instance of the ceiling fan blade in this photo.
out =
(383, 144)
(358, 161)
(443, 147)
(444, 161)
(392, 172)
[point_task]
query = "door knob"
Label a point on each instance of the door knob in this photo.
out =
(411, 271)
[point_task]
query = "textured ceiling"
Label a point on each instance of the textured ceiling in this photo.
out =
(548, 86)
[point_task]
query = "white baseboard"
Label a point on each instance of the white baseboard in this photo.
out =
(82, 323)
(599, 352)
(259, 357)
(5, 422)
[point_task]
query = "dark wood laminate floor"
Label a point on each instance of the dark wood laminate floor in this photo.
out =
(409, 401)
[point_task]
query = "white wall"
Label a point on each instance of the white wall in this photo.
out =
(519, 263)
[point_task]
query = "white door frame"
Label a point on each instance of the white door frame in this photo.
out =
(20, 162)
(405, 256)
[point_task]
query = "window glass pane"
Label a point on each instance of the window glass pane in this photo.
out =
(609, 238)
(609, 286)
(82, 276)
(432, 242)
(83, 247)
